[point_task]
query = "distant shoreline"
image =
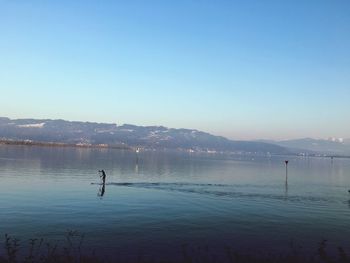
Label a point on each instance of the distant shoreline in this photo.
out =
(59, 144)
(124, 147)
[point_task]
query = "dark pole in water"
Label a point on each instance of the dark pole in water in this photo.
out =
(286, 162)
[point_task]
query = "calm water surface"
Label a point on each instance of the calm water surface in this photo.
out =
(157, 202)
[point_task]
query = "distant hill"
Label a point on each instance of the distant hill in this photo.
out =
(316, 145)
(154, 137)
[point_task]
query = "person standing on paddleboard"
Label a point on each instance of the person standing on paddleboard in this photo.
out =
(103, 176)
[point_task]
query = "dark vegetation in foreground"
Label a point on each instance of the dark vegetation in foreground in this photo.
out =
(37, 250)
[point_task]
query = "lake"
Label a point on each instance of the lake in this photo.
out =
(154, 203)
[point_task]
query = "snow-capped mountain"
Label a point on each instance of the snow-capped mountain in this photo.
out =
(156, 137)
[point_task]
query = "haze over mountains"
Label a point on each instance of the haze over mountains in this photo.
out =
(330, 146)
(153, 137)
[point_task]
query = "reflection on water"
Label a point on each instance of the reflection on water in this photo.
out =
(157, 200)
(286, 183)
(101, 190)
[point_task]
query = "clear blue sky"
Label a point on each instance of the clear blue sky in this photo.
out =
(242, 69)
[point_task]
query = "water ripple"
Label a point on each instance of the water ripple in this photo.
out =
(222, 190)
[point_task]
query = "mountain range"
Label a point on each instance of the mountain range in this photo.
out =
(127, 135)
(154, 137)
